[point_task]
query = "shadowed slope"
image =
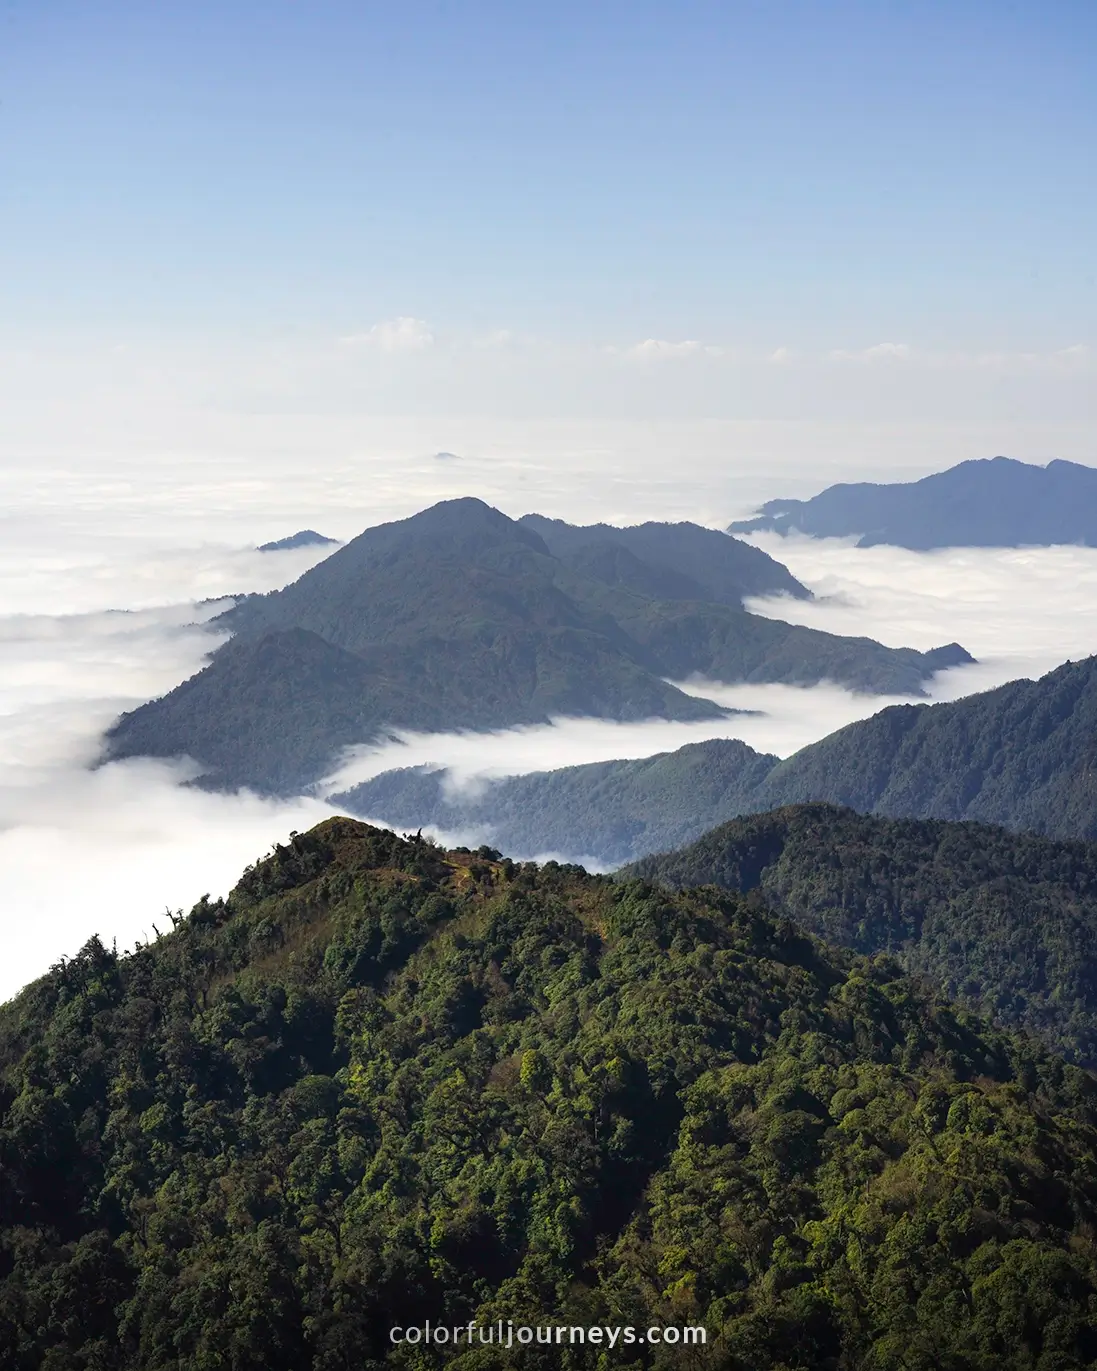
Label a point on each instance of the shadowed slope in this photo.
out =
(1005, 921)
(461, 618)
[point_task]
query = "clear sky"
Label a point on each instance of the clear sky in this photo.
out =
(671, 180)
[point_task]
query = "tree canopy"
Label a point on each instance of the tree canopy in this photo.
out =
(381, 1084)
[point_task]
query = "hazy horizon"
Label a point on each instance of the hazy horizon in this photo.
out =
(263, 264)
(99, 585)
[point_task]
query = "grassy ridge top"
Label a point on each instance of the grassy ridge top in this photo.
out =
(382, 1083)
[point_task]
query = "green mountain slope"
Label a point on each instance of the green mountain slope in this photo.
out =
(1024, 756)
(995, 502)
(461, 618)
(382, 1085)
(1006, 922)
(274, 711)
(616, 808)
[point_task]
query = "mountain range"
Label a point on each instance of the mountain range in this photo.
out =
(1023, 756)
(384, 1086)
(460, 617)
(601, 813)
(1005, 922)
(991, 502)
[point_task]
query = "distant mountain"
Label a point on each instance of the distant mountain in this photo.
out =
(1024, 756)
(462, 618)
(384, 1087)
(1005, 922)
(993, 502)
(680, 561)
(604, 811)
(306, 537)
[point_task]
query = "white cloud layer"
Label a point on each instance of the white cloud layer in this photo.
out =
(86, 534)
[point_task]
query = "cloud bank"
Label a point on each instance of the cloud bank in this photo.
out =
(104, 556)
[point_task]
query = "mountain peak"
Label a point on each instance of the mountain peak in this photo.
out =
(983, 502)
(304, 537)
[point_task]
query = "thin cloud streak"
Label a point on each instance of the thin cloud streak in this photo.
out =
(402, 334)
(777, 719)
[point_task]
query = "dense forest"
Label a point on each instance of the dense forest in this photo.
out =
(1006, 922)
(381, 1084)
(462, 618)
(990, 502)
(1022, 756)
(599, 812)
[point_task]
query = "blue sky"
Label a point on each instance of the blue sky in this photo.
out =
(518, 208)
(818, 174)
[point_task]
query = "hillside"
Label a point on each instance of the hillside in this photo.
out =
(992, 502)
(691, 562)
(462, 618)
(382, 1084)
(1005, 922)
(1023, 756)
(606, 812)
(274, 711)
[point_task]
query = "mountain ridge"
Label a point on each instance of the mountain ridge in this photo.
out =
(1004, 922)
(304, 537)
(460, 617)
(1023, 755)
(984, 502)
(383, 1084)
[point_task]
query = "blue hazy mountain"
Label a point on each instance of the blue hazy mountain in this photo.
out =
(680, 561)
(460, 617)
(305, 537)
(993, 502)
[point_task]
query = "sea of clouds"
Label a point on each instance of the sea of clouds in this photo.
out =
(112, 566)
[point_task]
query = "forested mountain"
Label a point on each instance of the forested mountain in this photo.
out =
(992, 502)
(462, 618)
(1024, 756)
(690, 562)
(604, 812)
(382, 1084)
(1006, 922)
